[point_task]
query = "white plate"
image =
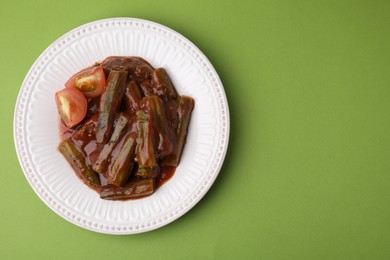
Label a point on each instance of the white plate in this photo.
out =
(36, 125)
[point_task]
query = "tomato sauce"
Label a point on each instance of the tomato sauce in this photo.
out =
(166, 174)
(148, 91)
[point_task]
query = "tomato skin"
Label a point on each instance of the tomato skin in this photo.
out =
(72, 106)
(91, 81)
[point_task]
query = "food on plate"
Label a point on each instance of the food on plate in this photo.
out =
(72, 106)
(123, 126)
(110, 101)
(91, 81)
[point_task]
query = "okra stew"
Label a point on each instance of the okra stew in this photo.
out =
(123, 126)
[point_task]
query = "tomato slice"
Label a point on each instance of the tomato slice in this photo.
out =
(72, 106)
(91, 81)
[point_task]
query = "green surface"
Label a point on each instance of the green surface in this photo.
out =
(307, 173)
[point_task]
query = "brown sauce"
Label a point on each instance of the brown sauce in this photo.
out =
(166, 174)
(84, 134)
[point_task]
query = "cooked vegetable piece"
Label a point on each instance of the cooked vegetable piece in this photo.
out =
(84, 137)
(146, 154)
(186, 105)
(165, 134)
(110, 103)
(146, 86)
(91, 81)
(171, 109)
(121, 166)
(103, 180)
(163, 86)
(137, 67)
(102, 162)
(132, 97)
(87, 131)
(71, 81)
(72, 106)
(136, 188)
(77, 161)
(93, 106)
(157, 111)
(124, 127)
(148, 172)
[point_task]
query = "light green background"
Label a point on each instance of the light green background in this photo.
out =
(307, 173)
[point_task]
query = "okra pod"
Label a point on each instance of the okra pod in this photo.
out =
(132, 97)
(136, 66)
(185, 107)
(146, 86)
(84, 137)
(77, 161)
(148, 172)
(102, 162)
(157, 111)
(103, 180)
(109, 104)
(121, 165)
(145, 141)
(165, 133)
(163, 86)
(136, 188)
